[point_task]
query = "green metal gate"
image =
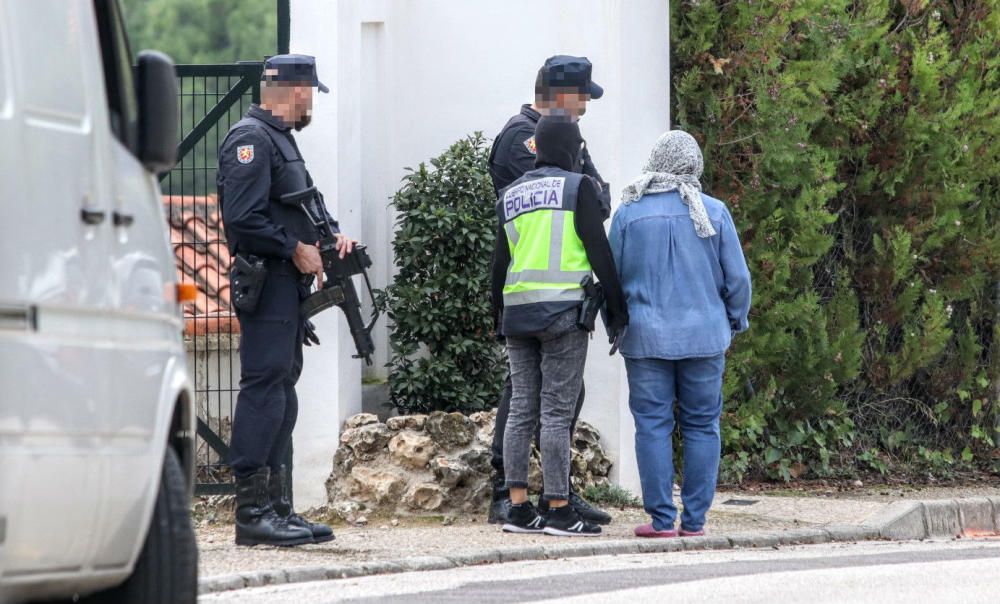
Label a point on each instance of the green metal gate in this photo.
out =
(212, 99)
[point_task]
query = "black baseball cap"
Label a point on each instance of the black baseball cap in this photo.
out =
(564, 71)
(292, 68)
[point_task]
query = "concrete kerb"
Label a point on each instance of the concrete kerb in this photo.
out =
(901, 521)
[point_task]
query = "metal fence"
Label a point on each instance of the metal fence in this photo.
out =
(212, 99)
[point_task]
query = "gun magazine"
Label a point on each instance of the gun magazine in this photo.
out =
(320, 301)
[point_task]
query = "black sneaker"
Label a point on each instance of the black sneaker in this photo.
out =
(499, 503)
(524, 519)
(566, 522)
(586, 511)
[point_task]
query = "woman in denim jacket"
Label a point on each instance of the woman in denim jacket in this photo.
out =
(688, 291)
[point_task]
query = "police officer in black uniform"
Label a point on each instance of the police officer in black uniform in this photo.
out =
(563, 87)
(275, 262)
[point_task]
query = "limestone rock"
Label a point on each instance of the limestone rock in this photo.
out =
(450, 473)
(412, 449)
(484, 421)
(379, 486)
(406, 422)
(425, 496)
(361, 419)
(450, 430)
(366, 441)
(534, 474)
(586, 436)
(478, 458)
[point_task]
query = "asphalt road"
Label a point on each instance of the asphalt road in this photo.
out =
(965, 571)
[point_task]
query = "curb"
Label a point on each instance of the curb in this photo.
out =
(902, 521)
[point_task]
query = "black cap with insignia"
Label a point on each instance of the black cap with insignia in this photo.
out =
(292, 68)
(564, 71)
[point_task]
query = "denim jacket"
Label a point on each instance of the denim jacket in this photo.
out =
(686, 296)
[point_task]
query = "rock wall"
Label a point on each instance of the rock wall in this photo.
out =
(437, 463)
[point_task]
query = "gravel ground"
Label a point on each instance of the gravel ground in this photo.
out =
(380, 540)
(733, 513)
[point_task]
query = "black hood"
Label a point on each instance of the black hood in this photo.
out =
(559, 143)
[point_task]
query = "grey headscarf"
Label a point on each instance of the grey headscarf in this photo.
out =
(675, 164)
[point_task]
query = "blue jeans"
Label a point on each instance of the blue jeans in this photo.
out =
(696, 384)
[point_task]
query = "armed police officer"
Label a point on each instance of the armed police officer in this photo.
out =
(276, 260)
(562, 88)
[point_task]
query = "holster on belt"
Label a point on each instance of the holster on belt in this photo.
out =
(247, 281)
(593, 300)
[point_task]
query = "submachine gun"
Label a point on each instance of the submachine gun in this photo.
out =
(339, 289)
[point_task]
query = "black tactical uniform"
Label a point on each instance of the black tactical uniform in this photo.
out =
(514, 154)
(259, 162)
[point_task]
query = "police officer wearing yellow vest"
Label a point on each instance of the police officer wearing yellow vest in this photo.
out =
(564, 86)
(551, 238)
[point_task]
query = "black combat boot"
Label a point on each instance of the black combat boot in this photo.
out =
(280, 489)
(500, 503)
(256, 521)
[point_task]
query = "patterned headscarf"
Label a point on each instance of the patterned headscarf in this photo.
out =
(675, 164)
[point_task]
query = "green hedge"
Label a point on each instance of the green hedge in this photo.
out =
(857, 144)
(443, 354)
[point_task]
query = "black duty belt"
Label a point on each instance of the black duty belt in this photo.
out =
(281, 267)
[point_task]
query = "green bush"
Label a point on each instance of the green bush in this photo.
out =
(857, 144)
(444, 356)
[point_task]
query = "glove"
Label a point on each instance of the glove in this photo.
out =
(311, 337)
(617, 327)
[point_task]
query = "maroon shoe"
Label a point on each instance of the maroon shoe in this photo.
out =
(698, 533)
(647, 530)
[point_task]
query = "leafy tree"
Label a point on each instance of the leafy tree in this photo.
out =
(856, 143)
(204, 31)
(443, 354)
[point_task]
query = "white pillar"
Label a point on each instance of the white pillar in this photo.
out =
(409, 78)
(330, 387)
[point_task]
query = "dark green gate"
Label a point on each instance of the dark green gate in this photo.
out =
(212, 99)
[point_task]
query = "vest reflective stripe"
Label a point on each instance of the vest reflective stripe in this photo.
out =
(512, 234)
(543, 295)
(548, 259)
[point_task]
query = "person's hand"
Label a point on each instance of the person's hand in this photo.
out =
(345, 245)
(310, 337)
(307, 259)
(616, 327)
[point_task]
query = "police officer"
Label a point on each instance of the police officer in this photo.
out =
(275, 258)
(562, 88)
(551, 237)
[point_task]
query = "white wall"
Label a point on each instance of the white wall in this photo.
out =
(410, 77)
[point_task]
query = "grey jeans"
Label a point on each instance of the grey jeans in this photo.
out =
(546, 371)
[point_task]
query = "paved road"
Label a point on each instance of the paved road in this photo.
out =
(966, 571)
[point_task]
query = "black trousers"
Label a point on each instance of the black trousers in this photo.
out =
(271, 361)
(503, 410)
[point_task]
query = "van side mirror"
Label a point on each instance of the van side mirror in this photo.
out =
(156, 91)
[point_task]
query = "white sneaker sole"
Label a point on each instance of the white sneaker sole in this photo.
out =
(561, 533)
(513, 528)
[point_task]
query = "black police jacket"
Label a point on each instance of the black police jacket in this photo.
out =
(513, 154)
(259, 162)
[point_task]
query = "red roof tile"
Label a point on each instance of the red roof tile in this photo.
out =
(198, 239)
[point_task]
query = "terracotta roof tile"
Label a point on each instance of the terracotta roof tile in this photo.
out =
(198, 239)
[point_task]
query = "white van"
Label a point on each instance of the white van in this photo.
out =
(96, 409)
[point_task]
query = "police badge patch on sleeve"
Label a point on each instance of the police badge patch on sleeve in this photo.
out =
(530, 144)
(244, 154)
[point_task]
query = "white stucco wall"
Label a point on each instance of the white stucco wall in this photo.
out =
(410, 77)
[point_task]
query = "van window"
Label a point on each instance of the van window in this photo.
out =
(117, 59)
(49, 55)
